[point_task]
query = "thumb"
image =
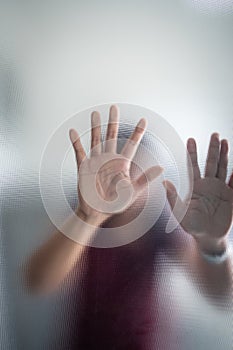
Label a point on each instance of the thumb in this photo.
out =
(148, 176)
(172, 195)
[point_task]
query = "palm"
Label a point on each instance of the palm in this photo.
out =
(210, 208)
(93, 176)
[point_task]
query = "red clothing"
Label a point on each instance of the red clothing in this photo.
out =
(118, 305)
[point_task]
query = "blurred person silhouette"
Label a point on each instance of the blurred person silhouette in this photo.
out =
(119, 305)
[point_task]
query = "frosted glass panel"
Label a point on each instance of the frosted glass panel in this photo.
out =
(59, 60)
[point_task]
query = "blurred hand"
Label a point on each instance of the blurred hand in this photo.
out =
(209, 215)
(107, 168)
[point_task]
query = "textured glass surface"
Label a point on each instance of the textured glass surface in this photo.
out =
(59, 58)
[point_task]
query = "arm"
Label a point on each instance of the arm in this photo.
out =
(208, 219)
(54, 260)
(104, 183)
(214, 278)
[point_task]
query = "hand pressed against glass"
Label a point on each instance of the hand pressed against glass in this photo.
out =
(107, 168)
(209, 214)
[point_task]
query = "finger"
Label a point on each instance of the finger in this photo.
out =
(77, 145)
(132, 143)
(230, 183)
(192, 150)
(223, 161)
(213, 156)
(172, 194)
(112, 130)
(148, 176)
(96, 144)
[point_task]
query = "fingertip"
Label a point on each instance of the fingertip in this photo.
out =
(114, 113)
(160, 168)
(114, 107)
(191, 144)
(95, 118)
(142, 123)
(224, 146)
(215, 136)
(169, 186)
(164, 182)
(73, 135)
(154, 172)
